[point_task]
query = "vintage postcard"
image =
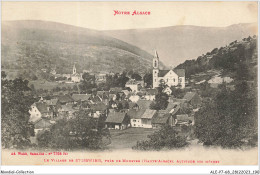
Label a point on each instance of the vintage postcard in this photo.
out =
(129, 83)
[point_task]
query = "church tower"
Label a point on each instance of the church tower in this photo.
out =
(74, 69)
(155, 69)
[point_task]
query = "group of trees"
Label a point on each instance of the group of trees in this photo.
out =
(161, 99)
(117, 80)
(229, 119)
(227, 58)
(15, 105)
(166, 138)
(80, 132)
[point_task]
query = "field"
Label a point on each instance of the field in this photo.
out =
(125, 139)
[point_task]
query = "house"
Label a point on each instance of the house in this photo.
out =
(134, 98)
(135, 117)
(174, 77)
(104, 96)
(98, 110)
(184, 119)
(54, 105)
(167, 90)
(150, 94)
(112, 97)
(100, 78)
(134, 85)
(144, 104)
(52, 102)
(173, 107)
(160, 120)
(147, 117)
(39, 110)
(94, 99)
(81, 97)
(165, 117)
(115, 90)
(133, 105)
(117, 120)
(66, 111)
(193, 99)
(41, 124)
(65, 99)
(126, 92)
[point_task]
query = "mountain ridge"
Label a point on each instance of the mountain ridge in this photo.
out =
(35, 45)
(175, 44)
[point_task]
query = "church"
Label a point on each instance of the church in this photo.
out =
(75, 77)
(175, 77)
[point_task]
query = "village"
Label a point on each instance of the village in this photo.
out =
(122, 109)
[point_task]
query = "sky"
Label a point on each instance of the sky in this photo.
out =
(100, 15)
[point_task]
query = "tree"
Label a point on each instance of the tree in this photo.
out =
(229, 119)
(148, 80)
(80, 132)
(167, 137)
(161, 100)
(136, 76)
(15, 127)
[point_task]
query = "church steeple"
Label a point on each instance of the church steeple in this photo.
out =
(74, 69)
(156, 60)
(156, 54)
(155, 69)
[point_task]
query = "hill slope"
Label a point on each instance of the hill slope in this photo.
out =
(34, 45)
(236, 60)
(178, 43)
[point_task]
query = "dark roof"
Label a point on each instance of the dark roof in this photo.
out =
(103, 94)
(81, 97)
(180, 72)
(149, 114)
(175, 105)
(67, 108)
(132, 82)
(183, 117)
(111, 96)
(116, 89)
(132, 105)
(42, 107)
(177, 100)
(140, 94)
(161, 112)
(98, 107)
(144, 104)
(115, 117)
(189, 95)
(42, 123)
(161, 119)
(151, 91)
(65, 99)
(52, 101)
(135, 114)
(162, 73)
(95, 99)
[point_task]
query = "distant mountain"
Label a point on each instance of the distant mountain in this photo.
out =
(178, 43)
(34, 45)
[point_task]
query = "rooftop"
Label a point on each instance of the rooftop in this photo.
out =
(115, 117)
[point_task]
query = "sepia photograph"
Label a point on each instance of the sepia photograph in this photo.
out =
(129, 83)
